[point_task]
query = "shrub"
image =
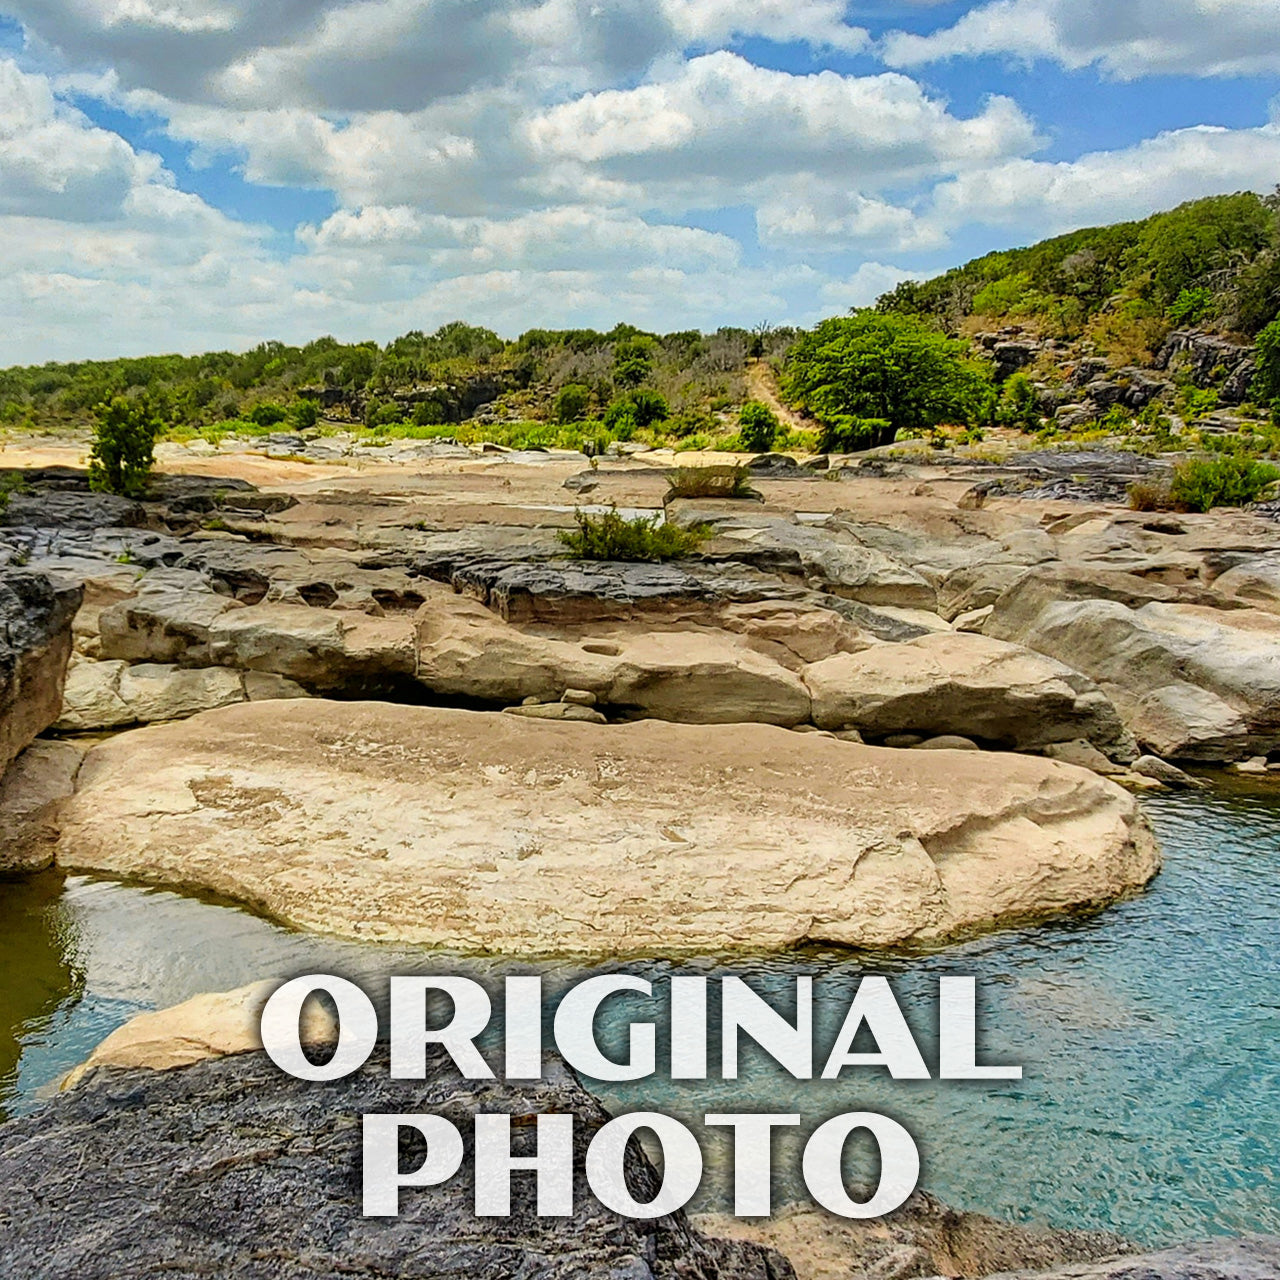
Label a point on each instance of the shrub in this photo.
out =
(637, 409)
(1019, 403)
(1200, 484)
(611, 537)
(572, 403)
(709, 482)
(378, 415)
(890, 367)
(11, 482)
(1191, 306)
(758, 426)
(430, 413)
(847, 434)
(1266, 382)
(268, 415)
(304, 414)
(1144, 496)
(123, 451)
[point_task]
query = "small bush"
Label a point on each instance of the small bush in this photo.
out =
(611, 537)
(709, 482)
(1149, 497)
(10, 483)
(1019, 404)
(123, 451)
(846, 434)
(572, 403)
(268, 415)
(1199, 484)
(1191, 306)
(304, 414)
(759, 426)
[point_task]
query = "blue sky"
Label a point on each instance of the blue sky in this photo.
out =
(192, 174)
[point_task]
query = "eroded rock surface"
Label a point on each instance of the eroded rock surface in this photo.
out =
(1253, 1257)
(35, 647)
(923, 1238)
(491, 832)
(229, 1167)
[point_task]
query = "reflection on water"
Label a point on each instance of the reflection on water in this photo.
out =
(1149, 1033)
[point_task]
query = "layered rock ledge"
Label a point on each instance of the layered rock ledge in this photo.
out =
(484, 832)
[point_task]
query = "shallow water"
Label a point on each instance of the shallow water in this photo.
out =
(1150, 1034)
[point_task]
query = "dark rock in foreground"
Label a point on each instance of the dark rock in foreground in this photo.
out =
(230, 1168)
(35, 646)
(1248, 1258)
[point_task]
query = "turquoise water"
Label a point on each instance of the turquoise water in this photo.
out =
(1149, 1034)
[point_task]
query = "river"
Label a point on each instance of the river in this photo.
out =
(1149, 1033)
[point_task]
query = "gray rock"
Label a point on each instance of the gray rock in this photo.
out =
(557, 711)
(1163, 771)
(1084, 755)
(35, 647)
(948, 742)
(231, 1168)
(1248, 1258)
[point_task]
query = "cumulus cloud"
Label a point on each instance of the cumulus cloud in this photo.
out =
(1107, 186)
(53, 162)
(722, 121)
(1126, 40)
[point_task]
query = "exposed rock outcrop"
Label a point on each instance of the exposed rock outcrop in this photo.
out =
(229, 1167)
(491, 832)
(957, 683)
(923, 1238)
(1253, 1257)
(30, 792)
(35, 647)
(1191, 683)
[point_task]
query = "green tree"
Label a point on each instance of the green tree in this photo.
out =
(1266, 382)
(758, 426)
(572, 403)
(123, 452)
(887, 366)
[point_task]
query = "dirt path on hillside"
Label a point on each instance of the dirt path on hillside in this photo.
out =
(762, 386)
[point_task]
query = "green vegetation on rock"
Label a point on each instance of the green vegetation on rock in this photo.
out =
(123, 451)
(610, 536)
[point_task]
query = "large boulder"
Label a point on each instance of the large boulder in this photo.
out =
(30, 791)
(110, 695)
(695, 676)
(229, 1167)
(35, 647)
(1191, 683)
(489, 832)
(959, 683)
(1255, 581)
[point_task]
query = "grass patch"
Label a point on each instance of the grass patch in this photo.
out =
(611, 537)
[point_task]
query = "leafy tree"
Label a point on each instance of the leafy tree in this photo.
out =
(1266, 382)
(1019, 403)
(885, 366)
(123, 452)
(304, 414)
(572, 403)
(758, 426)
(632, 360)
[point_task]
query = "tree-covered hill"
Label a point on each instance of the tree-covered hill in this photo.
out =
(1213, 262)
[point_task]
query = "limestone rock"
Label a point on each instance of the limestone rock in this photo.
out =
(558, 711)
(167, 621)
(695, 675)
(954, 683)
(229, 1167)
(212, 1025)
(1169, 774)
(948, 742)
(42, 776)
(1192, 683)
(1253, 1257)
(35, 647)
(1084, 754)
(494, 832)
(1255, 582)
(923, 1238)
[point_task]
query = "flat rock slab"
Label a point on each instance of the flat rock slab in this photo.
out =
(231, 1168)
(487, 832)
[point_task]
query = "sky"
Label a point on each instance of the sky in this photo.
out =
(191, 175)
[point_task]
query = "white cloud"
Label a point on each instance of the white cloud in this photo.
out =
(722, 123)
(865, 285)
(1124, 38)
(1108, 186)
(53, 162)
